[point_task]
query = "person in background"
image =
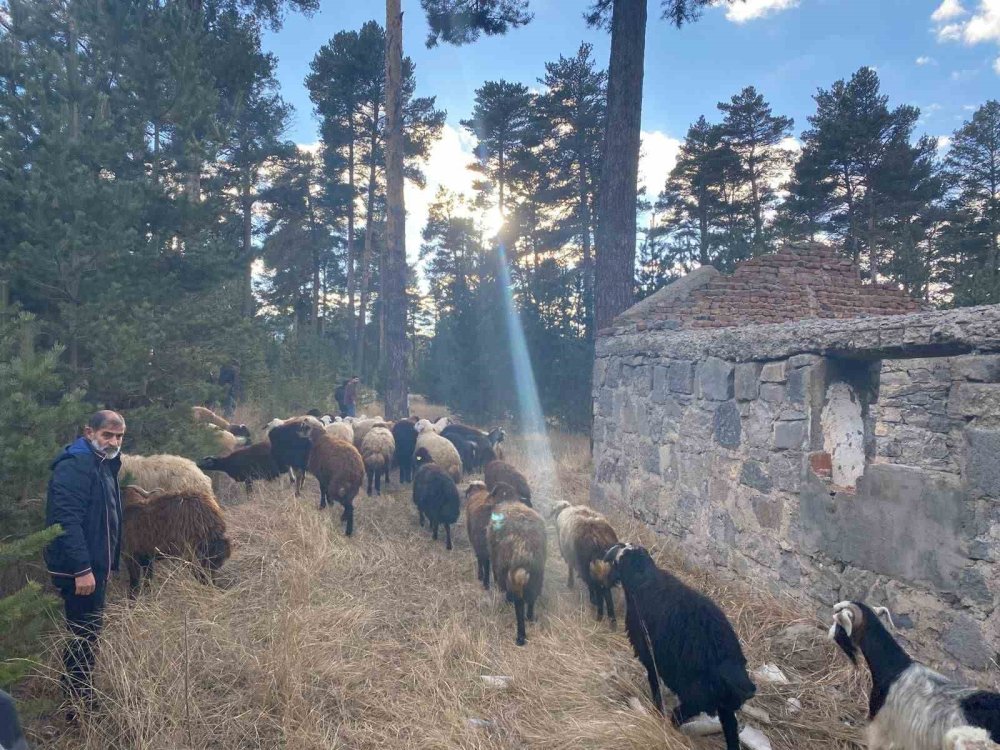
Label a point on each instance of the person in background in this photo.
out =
(85, 500)
(229, 378)
(351, 397)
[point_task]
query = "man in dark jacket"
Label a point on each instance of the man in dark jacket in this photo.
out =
(84, 498)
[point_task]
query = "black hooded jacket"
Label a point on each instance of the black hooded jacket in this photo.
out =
(85, 499)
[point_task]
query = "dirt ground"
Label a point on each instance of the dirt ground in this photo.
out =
(383, 640)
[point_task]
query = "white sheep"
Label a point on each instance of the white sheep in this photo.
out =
(341, 429)
(432, 447)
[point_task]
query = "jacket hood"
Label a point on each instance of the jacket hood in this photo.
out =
(78, 448)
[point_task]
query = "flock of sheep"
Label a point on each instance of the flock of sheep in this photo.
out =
(681, 637)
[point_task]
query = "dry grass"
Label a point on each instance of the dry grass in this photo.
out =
(314, 640)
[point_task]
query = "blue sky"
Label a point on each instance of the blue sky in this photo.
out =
(940, 55)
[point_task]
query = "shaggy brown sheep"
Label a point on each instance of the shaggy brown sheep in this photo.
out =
(175, 524)
(479, 504)
(340, 470)
(585, 536)
(501, 471)
(516, 537)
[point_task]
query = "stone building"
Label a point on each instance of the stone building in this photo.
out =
(826, 438)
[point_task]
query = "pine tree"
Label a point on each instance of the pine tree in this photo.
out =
(462, 21)
(971, 243)
(754, 135)
(27, 613)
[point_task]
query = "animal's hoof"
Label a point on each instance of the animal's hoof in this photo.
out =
(520, 641)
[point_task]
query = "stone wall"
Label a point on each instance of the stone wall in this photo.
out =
(729, 443)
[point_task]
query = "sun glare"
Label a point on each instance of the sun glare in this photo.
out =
(492, 222)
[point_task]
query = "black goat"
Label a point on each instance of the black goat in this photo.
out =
(404, 432)
(910, 705)
(682, 637)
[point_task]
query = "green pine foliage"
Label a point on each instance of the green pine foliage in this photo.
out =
(28, 612)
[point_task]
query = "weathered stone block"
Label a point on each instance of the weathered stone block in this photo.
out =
(975, 400)
(661, 384)
(981, 368)
(773, 393)
(773, 372)
(982, 470)
(767, 510)
(821, 463)
(727, 426)
(747, 380)
(801, 360)
(964, 640)
(715, 379)
(668, 465)
(799, 382)
(789, 435)
(753, 475)
(973, 586)
(681, 378)
(786, 471)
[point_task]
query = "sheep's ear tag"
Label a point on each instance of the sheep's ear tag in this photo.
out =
(497, 519)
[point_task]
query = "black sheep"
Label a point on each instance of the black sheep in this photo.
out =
(404, 432)
(482, 445)
(290, 446)
(695, 650)
(244, 464)
(436, 496)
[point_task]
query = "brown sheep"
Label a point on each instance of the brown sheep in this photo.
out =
(585, 536)
(479, 504)
(516, 538)
(501, 471)
(175, 524)
(377, 451)
(203, 414)
(340, 470)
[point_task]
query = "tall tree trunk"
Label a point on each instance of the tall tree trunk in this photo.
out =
(500, 175)
(351, 281)
(366, 254)
(395, 270)
(758, 219)
(617, 192)
(247, 254)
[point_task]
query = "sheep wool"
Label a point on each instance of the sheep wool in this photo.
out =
(501, 471)
(377, 451)
(404, 432)
(479, 505)
(516, 538)
(175, 524)
(340, 470)
(585, 536)
(440, 451)
(341, 430)
(166, 472)
(203, 414)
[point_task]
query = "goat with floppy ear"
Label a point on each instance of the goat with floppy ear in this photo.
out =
(910, 705)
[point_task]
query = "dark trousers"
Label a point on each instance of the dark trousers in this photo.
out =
(84, 617)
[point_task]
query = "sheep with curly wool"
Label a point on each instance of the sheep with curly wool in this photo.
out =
(479, 505)
(969, 738)
(174, 524)
(245, 464)
(404, 433)
(501, 471)
(910, 705)
(516, 538)
(340, 470)
(169, 473)
(361, 428)
(585, 536)
(377, 451)
(440, 451)
(682, 637)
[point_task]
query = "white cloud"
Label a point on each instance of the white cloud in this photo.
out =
(309, 148)
(656, 158)
(951, 32)
(925, 60)
(984, 26)
(943, 142)
(964, 75)
(947, 10)
(996, 66)
(750, 9)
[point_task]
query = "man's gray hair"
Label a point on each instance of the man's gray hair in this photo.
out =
(105, 417)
